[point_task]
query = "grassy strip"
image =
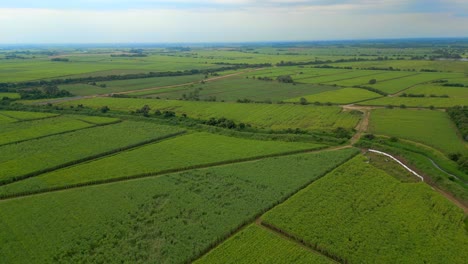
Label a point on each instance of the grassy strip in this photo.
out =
(93, 157)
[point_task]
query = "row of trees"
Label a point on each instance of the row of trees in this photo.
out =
(47, 91)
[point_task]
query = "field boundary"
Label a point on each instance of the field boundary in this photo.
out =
(164, 172)
(61, 133)
(26, 120)
(313, 247)
(87, 159)
(256, 218)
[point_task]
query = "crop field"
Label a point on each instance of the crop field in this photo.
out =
(351, 74)
(396, 85)
(19, 115)
(258, 245)
(172, 218)
(341, 96)
(50, 152)
(359, 213)
(43, 68)
(417, 102)
(19, 131)
(129, 85)
(297, 73)
(438, 90)
(266, 116)
(238, 88)
(433, 128)
(10, 95)
(379, 77)
(438, 65)
(239, 152)
(179, 153)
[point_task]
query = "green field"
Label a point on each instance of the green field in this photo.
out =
(381, 76)
(235, 88)
(439, 65)
(258, 245)
(239, 152)
(265, 116)
(399, 84)
(129, 85)
(417, 102)
(359, 213)
(93, 65)
(351, 74)
(20, 115)
(342, 96)
(167, 219)
(438, 90)
(19, 131)
(53, 151)
(179, 153)
(9, 95)
(433, 128)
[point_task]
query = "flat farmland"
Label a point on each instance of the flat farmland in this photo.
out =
(266, 116)
(341, 96)
(239, 88)
(417, 101)
(433, 128)
(439, 65)
(380, 77)
(331, 79)
(181, 152)
(34, 156)
(439, 90)
(9, 95)
(19, 131)
(129, 85)
(396, 85)
(43, 68)
(167, 219)
(358, 213)
(22, 116)
(258, 245)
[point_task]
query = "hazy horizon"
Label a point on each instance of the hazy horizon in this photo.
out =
(228, 21)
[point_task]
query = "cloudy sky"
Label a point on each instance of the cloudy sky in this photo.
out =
(117, 21)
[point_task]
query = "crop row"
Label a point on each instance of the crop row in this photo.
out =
(172, 218)
(357, 210)
(182, 153)
(27, 159)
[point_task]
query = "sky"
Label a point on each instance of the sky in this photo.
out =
(179, 21)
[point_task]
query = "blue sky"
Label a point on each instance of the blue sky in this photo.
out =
(110, 21)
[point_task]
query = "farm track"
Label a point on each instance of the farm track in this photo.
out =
(363, 126)
(60, 100)
(162, 173)
(284, 235)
